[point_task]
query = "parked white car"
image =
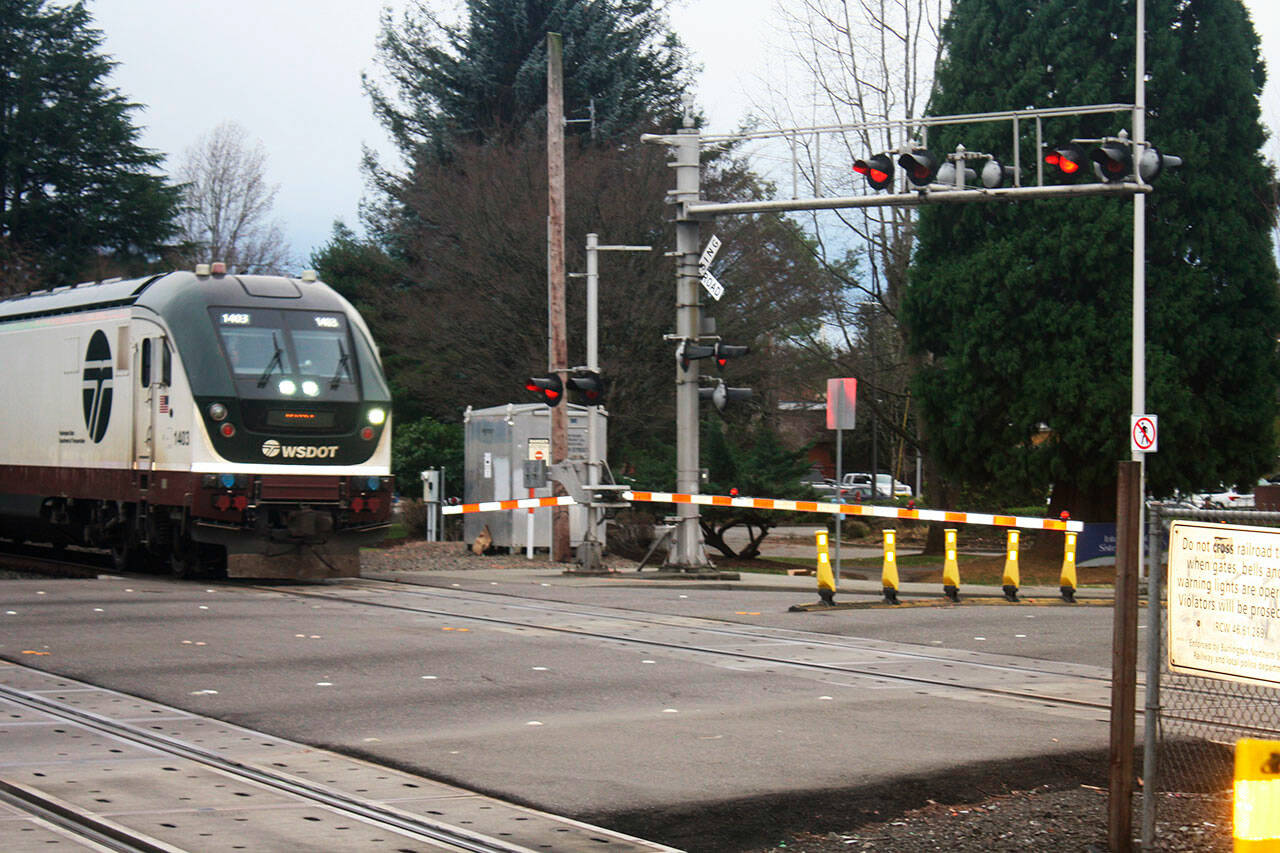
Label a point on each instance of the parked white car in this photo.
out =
(1225, 499)
(859, 485)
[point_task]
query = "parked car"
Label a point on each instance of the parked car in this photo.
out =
(1225, 498)
(858, 485)
(826, 488)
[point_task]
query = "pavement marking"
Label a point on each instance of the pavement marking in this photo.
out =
(533, 723)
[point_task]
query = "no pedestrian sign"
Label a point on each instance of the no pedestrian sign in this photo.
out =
(1142, 433)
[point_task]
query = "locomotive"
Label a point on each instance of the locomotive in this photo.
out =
(202, 421)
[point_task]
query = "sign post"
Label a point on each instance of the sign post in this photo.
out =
(842, 410)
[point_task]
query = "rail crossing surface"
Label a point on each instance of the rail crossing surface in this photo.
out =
(602, 699)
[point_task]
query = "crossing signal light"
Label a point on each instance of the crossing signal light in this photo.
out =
(995, 174)
(724, 352)
(1113, 161)
(920, 165)
(688, 352)
(1069, 158)
(1152, 163)
(721, 395)
(947, 174)
(590, 386)
(549, 388)
(878, 170)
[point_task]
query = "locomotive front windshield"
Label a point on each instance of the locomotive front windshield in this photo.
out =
(291, 354)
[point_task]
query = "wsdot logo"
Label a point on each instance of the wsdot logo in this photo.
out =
(272, 448)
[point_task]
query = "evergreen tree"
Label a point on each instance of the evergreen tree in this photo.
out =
(1024, 311)
(74, 183)
(459, 295)
(486, 78)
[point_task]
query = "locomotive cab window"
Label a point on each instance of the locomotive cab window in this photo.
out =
(289, 354)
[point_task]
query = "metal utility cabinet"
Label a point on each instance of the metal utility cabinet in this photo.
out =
(498, 441)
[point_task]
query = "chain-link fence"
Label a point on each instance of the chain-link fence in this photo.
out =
(1194, 722)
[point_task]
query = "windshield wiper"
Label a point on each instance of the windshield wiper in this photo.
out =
(277, 360)
(343, 366)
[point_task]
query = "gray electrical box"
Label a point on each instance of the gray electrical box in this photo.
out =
(499, 441)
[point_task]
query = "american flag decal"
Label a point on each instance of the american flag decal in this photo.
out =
(164, 404)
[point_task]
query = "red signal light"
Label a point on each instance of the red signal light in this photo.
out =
(1068, 158)
(549, 387)
(878, 170)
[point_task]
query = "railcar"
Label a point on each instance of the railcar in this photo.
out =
(202, 421)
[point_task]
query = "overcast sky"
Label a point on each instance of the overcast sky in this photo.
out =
(289, 72)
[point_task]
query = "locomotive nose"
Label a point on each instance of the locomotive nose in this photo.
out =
(309, 523)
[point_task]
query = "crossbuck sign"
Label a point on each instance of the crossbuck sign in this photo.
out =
(709, 282)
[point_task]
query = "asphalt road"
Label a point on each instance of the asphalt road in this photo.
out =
(574, 723)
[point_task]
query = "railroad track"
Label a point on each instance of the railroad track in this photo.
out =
(1065, 685)
(407, 831)
(894, 662)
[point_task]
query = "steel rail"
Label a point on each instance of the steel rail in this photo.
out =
(738, 655)
(778, 634)
(390, 818)
(96, 830)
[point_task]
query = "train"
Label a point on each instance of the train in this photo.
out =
(199, 422)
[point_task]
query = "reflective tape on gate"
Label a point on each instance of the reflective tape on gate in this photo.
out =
(494, 506)
(947, 516)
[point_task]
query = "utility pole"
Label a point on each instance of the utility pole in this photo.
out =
(687, 551)
(557, 344)
(591, 549)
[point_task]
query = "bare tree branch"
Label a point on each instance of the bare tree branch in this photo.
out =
(226, 214)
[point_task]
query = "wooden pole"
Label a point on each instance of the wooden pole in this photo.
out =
(558, 344)
(1124, 657)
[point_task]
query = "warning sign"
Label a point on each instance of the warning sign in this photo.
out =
(1224, 601)
(1142, 433)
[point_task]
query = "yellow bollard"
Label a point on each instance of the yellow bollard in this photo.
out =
(826, 580)
(1011, 568)
(1257, 796)
(951, 568)
(1068, 580)
(889, 574)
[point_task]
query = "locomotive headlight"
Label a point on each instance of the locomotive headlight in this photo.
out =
(377, 416)
(288, 387)
(217, 411)
(310, 388)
